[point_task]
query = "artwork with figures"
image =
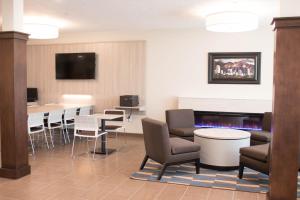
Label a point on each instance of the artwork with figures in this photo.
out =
(234, 68)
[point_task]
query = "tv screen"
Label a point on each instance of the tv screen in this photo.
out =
(32, 94)
(75, 65)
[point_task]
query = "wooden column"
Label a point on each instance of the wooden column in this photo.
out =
(286, 110)
(13, 108)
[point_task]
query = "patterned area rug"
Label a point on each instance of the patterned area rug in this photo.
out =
(252, 181)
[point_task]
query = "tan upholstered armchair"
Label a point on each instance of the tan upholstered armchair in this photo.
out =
(255, 157)
(167, 151)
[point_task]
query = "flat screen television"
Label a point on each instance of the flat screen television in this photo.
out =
(32, 94)
(75, 65)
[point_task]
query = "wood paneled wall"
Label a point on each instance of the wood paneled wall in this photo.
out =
(120, 70)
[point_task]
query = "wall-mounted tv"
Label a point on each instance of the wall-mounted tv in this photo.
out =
(75, 65)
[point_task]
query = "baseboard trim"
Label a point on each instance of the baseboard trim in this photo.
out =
(15, 173)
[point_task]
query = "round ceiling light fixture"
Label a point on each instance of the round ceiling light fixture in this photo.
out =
(231, 21)
(41, 31)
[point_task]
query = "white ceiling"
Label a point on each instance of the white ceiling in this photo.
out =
(107, 15)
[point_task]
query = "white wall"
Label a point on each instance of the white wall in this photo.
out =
(289, 8)
(176, 63)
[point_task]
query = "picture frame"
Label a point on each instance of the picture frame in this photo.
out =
(234, 67)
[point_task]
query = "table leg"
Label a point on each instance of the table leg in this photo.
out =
(103, 149)
(103, 137)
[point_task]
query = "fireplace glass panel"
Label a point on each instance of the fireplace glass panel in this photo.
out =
(242, 121)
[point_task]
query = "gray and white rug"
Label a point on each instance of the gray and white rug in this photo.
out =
(252, 181)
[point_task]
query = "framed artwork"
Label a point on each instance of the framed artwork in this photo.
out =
(234, 68)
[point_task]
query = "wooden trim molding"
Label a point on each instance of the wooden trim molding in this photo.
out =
(13, 109)
(286, 22)
(14, 35)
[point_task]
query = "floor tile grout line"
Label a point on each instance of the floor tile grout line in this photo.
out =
(208, 195)
(134, 193)
(185, 191)
(157, 195)
(117, 186)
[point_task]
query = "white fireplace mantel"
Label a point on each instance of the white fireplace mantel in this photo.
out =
(225, 105)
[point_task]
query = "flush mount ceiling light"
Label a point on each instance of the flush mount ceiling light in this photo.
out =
(231, 21)
(41, 31)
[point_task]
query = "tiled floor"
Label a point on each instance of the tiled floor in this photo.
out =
(55, 175)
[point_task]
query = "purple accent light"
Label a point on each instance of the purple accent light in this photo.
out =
(228, 127)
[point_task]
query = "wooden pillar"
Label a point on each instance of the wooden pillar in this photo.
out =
(13, 108)
(286, 110)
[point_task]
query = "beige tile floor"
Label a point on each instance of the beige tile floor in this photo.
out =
(56, 176)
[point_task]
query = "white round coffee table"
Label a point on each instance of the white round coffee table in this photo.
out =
(220, 147)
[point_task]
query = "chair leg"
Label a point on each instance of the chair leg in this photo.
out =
(125, 135)
(32, 145)
(106, 142)
(68, 136)
(144, 162)
(63, 133)
(241, 171)
(38, 139)
(51, 138)
(117, 142)
(162, 171)
(45, 135)
(197, 165)
(95, 145)
(72, 155)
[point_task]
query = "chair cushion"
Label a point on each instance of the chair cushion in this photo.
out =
(183, 132)
(258, 152)
(263, 136)
(36, 129)
(53, 125)
(112, 127)
(179, 146)
(70, 121)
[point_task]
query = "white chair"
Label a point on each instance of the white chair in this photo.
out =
(36, 125)
(85, 110)
(87, 127)
(69, 118)
(55, 121)
(116, 125)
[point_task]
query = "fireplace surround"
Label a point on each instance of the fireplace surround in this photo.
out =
(234, 120)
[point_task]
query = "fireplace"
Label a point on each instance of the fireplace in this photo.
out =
(241, 121)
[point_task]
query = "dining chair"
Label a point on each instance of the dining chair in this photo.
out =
(116, 125)
(69, 118)
(85, 110)
(55, 121)
(35, 126)
(87, 127)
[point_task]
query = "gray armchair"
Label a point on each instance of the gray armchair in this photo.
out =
(255, 157)
(263, 136)
(167, 151)
(181, 123)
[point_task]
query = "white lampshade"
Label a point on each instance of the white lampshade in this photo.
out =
(232, 21)
(41, 31)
